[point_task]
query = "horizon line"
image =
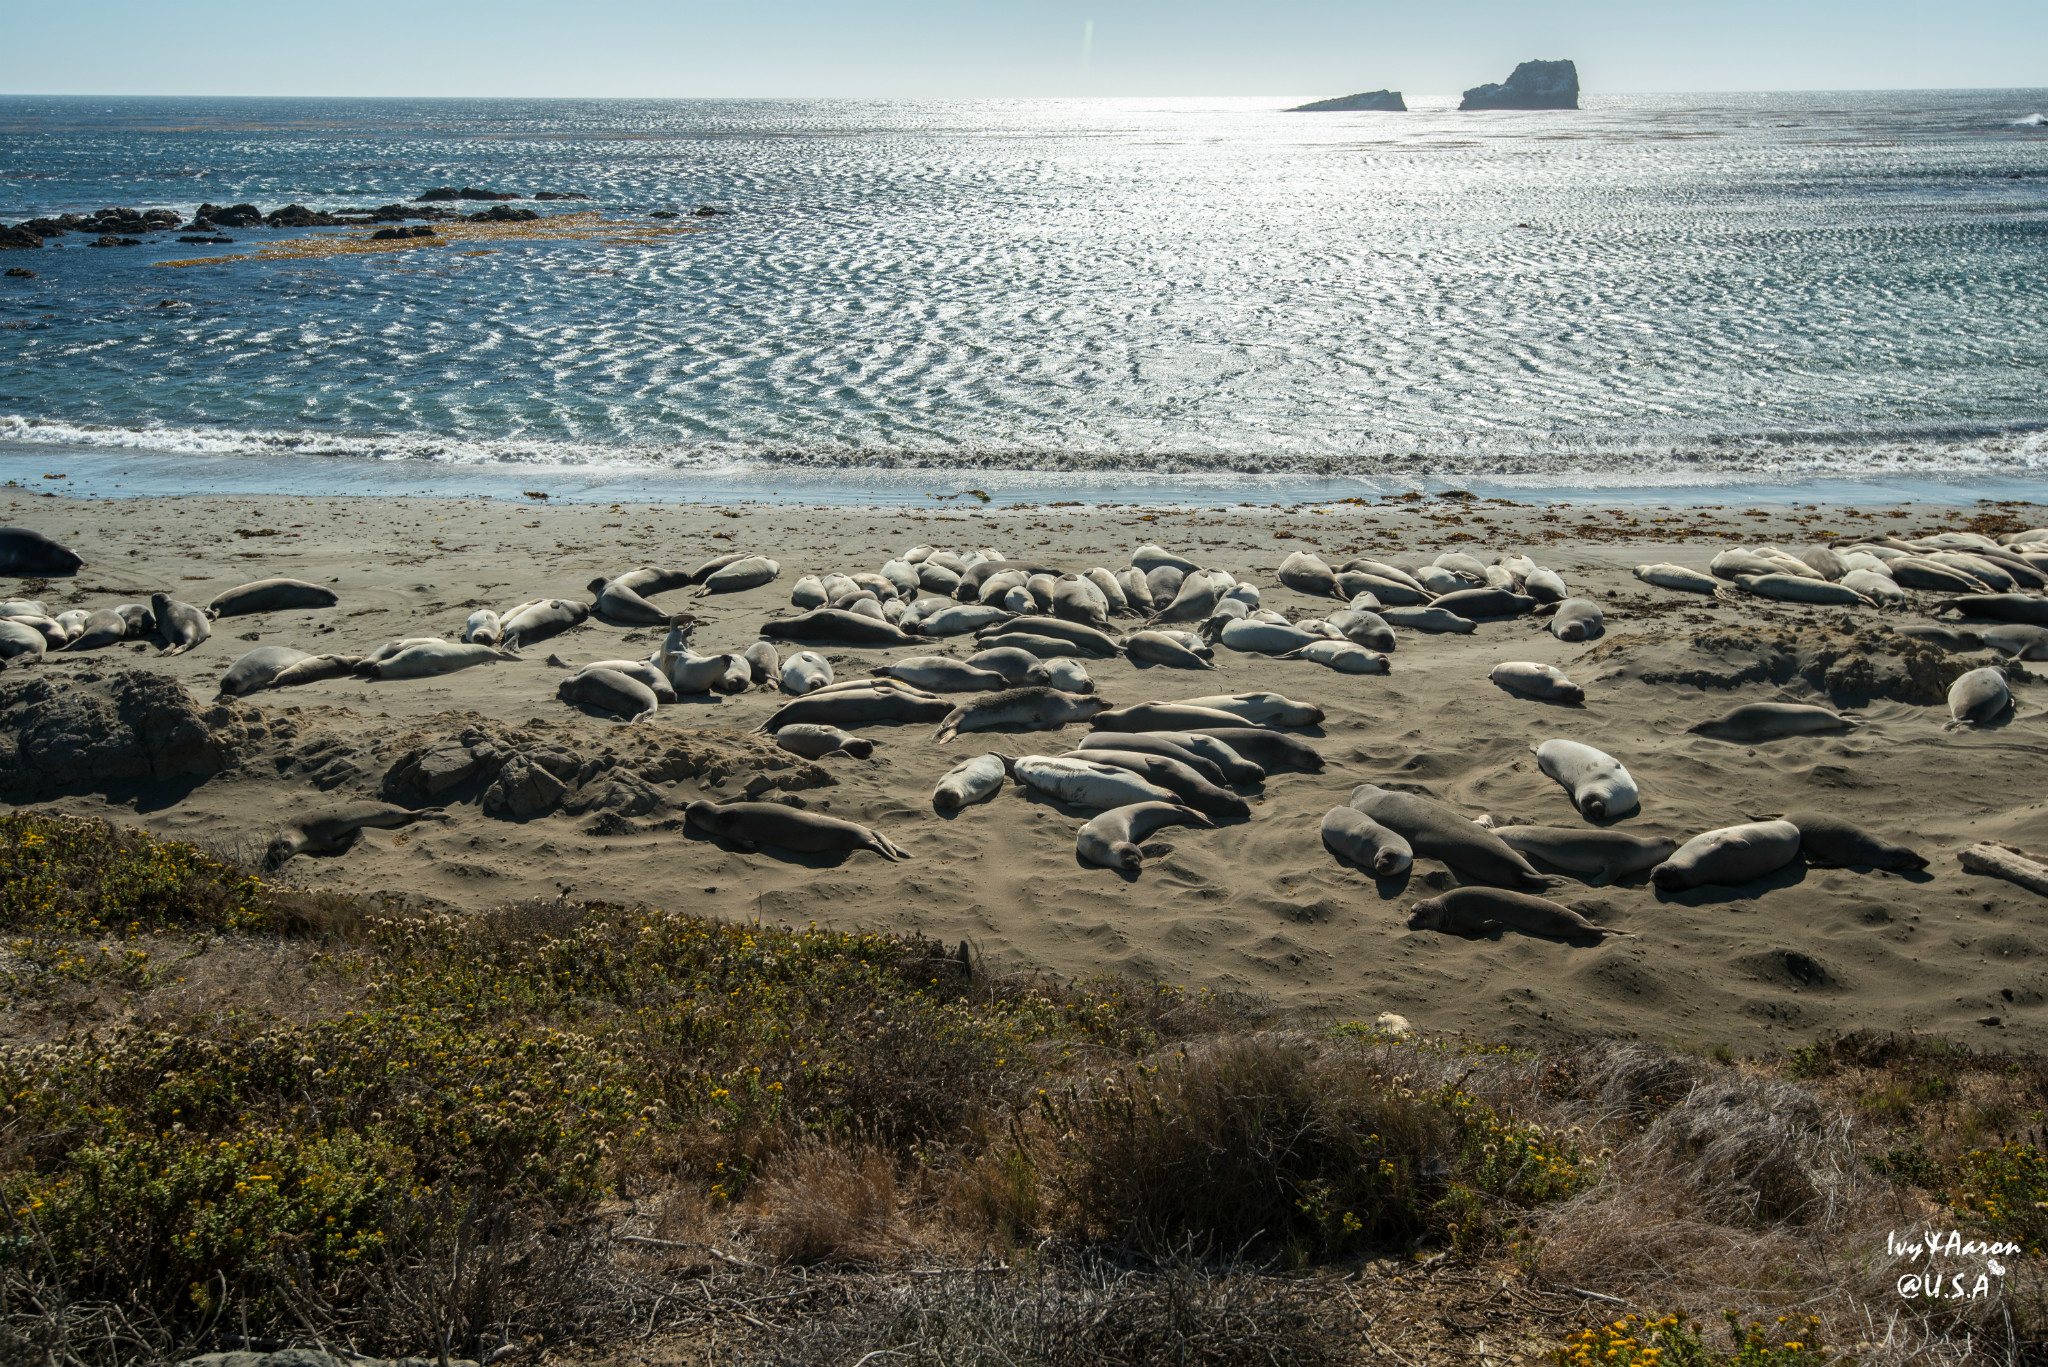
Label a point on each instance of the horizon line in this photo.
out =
(1203, 95)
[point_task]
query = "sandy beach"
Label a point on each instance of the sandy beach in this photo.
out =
(1256, 906)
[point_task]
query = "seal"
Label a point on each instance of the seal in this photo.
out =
(1350, 834)
(963, 618)
(753, 824)
(1918, 572)
(763, 664)
(1084, 783)
(104, 628)
(141, 621)
(1403, 592)
(1235, 768)
(1479, 603)
(1999, 607)
(1978, 698)
(1032, 709)
(538, 621)
(254, 671)
(1044, 647)
(422, 659)
(1432, 619)
(1075, 599)
(1164, 716)
(808, 592)
(1737, 561)
(336, 830)
(1112, 592)
(714, 565)
(30, 554)
(1018, 667)
(1137, 592)
(1177, 778)
(943, 674)
(805, 671)
(1195, 601)
(609, 691)
(932, 577)
(1599, 786)
(1545, 586)
(21, 642)
(1150, 557)
(1146, 743)
(1476, 911)
(482, 628)
(2017, 642)
(1756, 722)
(737, 576)
(858, 707)
(1878, 588)
(831, 624)
(271, 595)
(314, 668)
(1604, 855)
(1158, 648)
(1792, 588)
(1250, 637)
(1438, 831)
(1665, 575)
(970, 781)
(1730, 856)
(1269, 749)
(1578, 619)
(816, 742)
(1364, 627)
(658, 683)
(1830, 840)
(1306, 573)
(1342, 656)
(1545, 683)
(1090, 640)
(618, 601)
(1268, 709)
(1111, 839)
(181, 625)
(1068, 676)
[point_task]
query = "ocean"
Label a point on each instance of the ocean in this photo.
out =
(1656, 296)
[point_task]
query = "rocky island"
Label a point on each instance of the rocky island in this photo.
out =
(1387, 101)
(1534, 85)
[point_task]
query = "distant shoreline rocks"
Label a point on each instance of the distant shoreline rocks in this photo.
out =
(1372, 101)
(126, 227)
(1533, 85)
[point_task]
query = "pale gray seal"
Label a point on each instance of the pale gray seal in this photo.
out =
(1978, 698)
(805, 671)
(141, 621)
(1478, 603)
(1400, 593)
(423, 659)
(1091, 641)
(1364, 627)
(1604, 855)
(1678, 577)
(482, 628)
(1156, 647)
(1174, 776)
(1111, 839)
(1068, 676)
(1163, 584)
(1265, 709)
(1440, 832)
(336, 830)
(1033, 709)
(763, 663)
(1137, 592)
(619, 601)
(271, 595)
(1307, 573)
(943, 674)
(1730, 856)
(970, 781)
(1018, 667)
(1544, 585)
(181, 625)
(714, 565)
(1475, 911)
(740, 575)
(658, 683)
(855, 707)
(1077, 600)
(1195, 602)
(1147, 743)
(1044, 647)
(1826, 839)
(1599, 786)
(609, 691)
(815, 742)
(1235, 767)
(962, 618)
(32, 555)
(19, 641)
(1252, 636)
(104, 628)
(1084, 783)
(1270, 749)
(2017, 641)
(1578, 619)
(538, 621)
(808, 592)
(254, 671)
(1151, 556)
(1342, 656)
(313, 669)
(831, 624)
(1164, 716)
(1756, 722)
(1351, 834)
(1546, 683)
(752, 824)
(1431, 619)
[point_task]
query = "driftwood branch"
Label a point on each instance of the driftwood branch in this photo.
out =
(2003, 861)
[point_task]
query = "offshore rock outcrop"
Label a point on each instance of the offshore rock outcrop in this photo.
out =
(1379, 101)
(1534, 85)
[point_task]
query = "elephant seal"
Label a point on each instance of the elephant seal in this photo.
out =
(1267, 709)
(609, 691)
(1018, 667)
(1111, 839)
(1268, 749)
(1158, 648)
(2016, 641)
(739, 575)
(805, 671)
(1603, 855)
(19, 641)
(943, 674)
(314, 668)
(1151, 556)
(1177, 778)
(1825, 839)
(482, 628)
(271, 595)
(30, 554)
(1878, 588)
(254, 671)
(970, 781)
(1755, 722)
(832, 624)
(658, 683)
(1476, 911)
(618, 601)
(1544, 585)
(1438, 831)
(1084, 783)
(1478, 603)
(1431, 619)
(335, 831)
(1364, 627)
(712, 566)
(1194, 602)
(1351, 834)
(1546, 683)
(1795, 588)
(1342, 656)
(1068, 676)
(1079, 600)
(752, 824)
(858, 707)
(815, 742)
(1091, 641)
(1599, 786)
(423, 659)
(1729, 856)
(1978, 698)
(962, 618)
(1033, 709)
(102, 629)
(1400, 593)
(1164, 716)
(808, 592)
(181, 625)
(1250, 637)
(1306, 573)
(763, 664)
(1142, 743)
(1677, 577)
(141, 620)
(1578, 619)
(538, 621)
(1044, 647)
(1999, 607)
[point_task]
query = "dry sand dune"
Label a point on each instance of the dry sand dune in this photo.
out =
(1257, 906)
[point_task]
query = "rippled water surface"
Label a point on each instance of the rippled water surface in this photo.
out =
(1654, 290)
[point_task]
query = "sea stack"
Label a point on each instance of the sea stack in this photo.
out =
(1534, 85)
(1388, 101)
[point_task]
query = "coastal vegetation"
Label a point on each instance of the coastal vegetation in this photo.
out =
(239, 1113)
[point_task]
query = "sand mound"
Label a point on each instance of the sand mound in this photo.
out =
(1851, 664)
(94, 729)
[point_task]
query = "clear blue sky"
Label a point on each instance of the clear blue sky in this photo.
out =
(921, 48)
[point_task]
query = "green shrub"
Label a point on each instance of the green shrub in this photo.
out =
(2006, 1190)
